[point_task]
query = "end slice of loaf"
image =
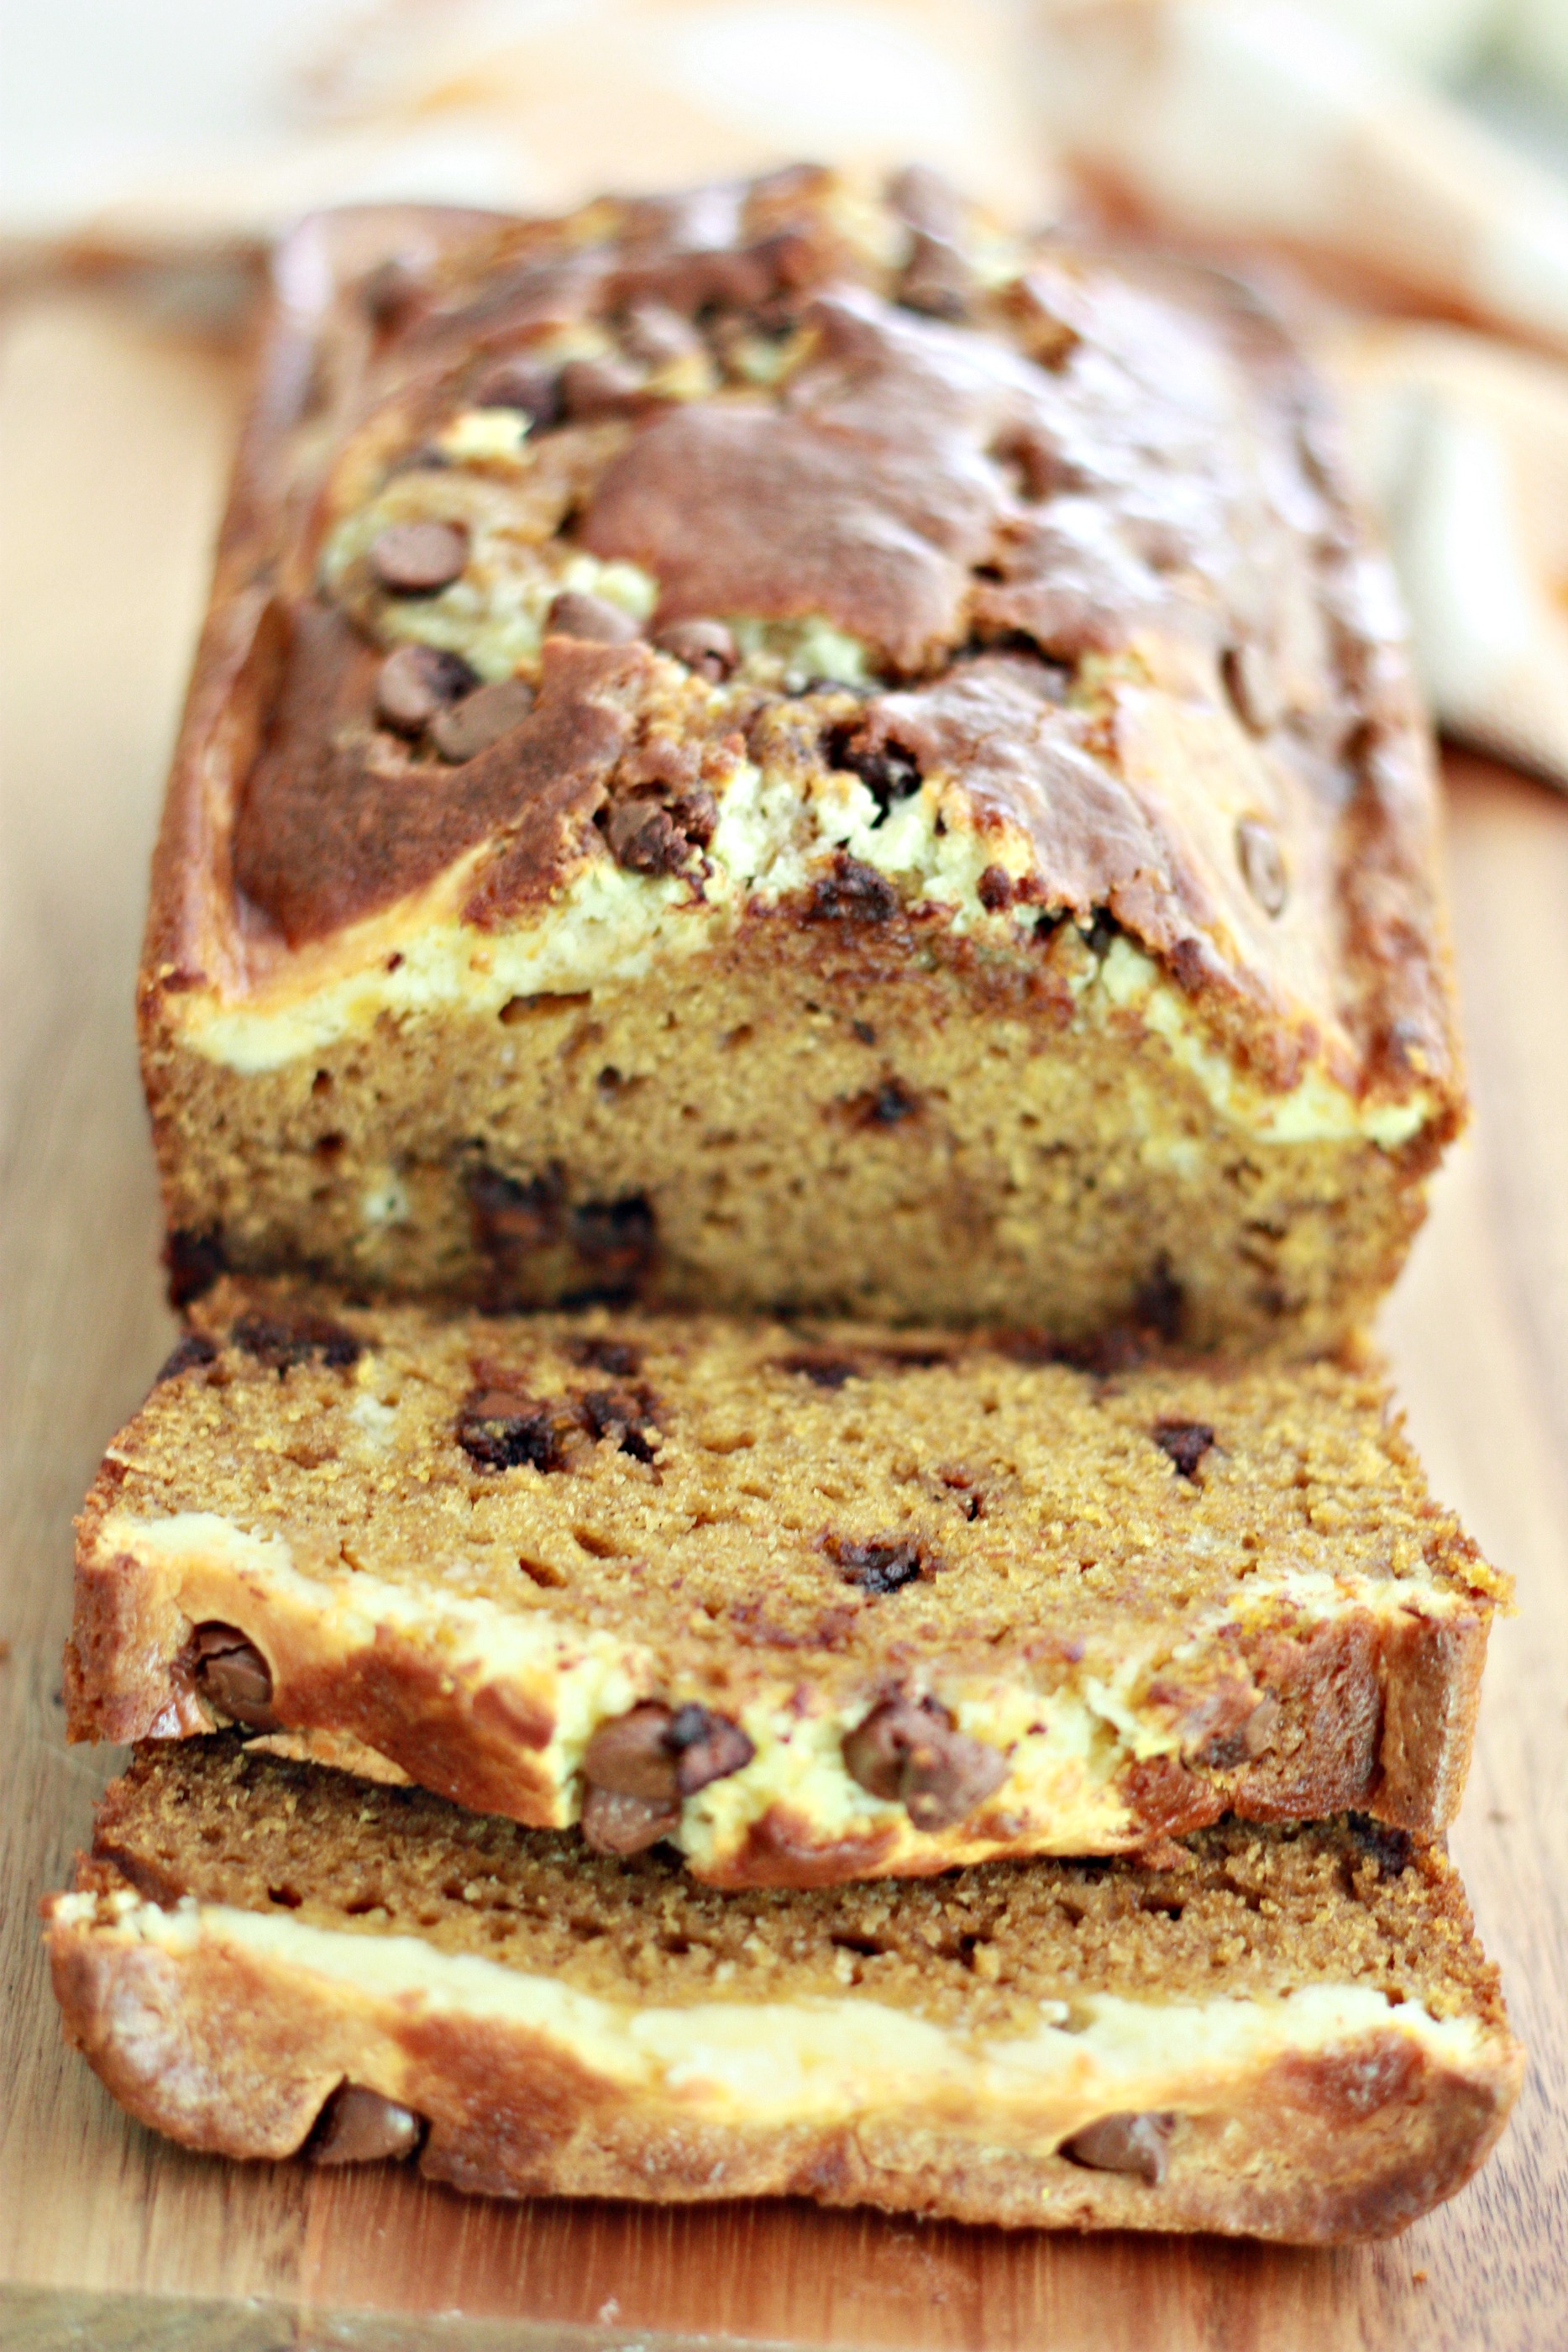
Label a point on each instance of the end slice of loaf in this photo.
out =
(727, 767)
(813, 1602)
(1288, 2032)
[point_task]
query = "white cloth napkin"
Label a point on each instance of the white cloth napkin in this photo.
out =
(181, 127)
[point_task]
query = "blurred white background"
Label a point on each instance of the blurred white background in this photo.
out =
(1394, 172)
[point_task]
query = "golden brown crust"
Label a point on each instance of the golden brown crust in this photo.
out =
(240, 658)
(1097, 832)
(327, 827)
(1431, 1690)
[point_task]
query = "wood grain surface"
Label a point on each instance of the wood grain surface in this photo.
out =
(113, 445)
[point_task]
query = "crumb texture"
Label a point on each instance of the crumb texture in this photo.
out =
(814, 1601)
(822, 1490)
(1249, 1912)
(1287, 2033)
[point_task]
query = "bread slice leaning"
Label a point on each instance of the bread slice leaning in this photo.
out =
(813, 1602)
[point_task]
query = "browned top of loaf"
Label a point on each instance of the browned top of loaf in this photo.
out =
(1239, 1912)
(742, 1494)
(1055, 496)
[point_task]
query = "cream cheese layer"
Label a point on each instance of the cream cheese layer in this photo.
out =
(814, 2060)
(1068, 1746)
(608, 928)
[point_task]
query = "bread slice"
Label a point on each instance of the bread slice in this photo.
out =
(766, 749)
(813, 1602)
(1290, 2033)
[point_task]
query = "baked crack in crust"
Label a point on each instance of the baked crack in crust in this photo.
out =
(771, 748)
(1289, 2032)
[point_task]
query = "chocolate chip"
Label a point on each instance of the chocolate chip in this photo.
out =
(291, 1336)
(617, 1824)
(707, 1747)
(937, 280)
(1262, 867)
(624, 1414)
(231, 1672)
(502, 1429)
(1185, 1442)
(946, 1777)
(705, 646)
(888, 1104)
(530, 385)
(632, 1756)
(852, 893)
(192, 1262)
(618, 1235)
(651, 836)
(642, 837)
(463, 730)
(658, 1757)
(512, 1214)
(995, 889)
(416, 559)
(875, 1750)
(1136, 2143)
(1252, 683)
(1390, 1848)
(573, 615)
(601, 387)
(888, 771)
(877, 1568)
(694, 816)
(415, 682)
(361, 2126)
(913, 1754)
(617, 1356)
(195, 1349)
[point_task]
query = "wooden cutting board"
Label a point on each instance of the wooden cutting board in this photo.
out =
(113, 445)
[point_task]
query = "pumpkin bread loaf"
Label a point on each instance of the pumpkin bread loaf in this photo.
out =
(769, 749)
